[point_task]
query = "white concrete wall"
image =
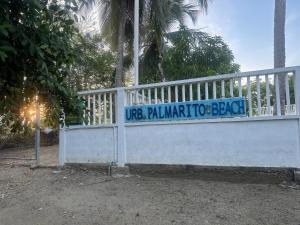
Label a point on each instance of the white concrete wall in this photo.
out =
(253, 142)
(263, 143)
(88, 145)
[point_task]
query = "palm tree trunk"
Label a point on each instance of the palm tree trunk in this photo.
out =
(160, 49)
(121, 37)
(160, 68)
(279, 47)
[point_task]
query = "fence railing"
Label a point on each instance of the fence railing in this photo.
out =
(261, 89)
(100, 106)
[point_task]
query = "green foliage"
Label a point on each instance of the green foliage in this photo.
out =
(93, 66)
(156, 18)
(188, 54)
(36, 51)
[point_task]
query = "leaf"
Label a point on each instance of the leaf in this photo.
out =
(31, 48)
(76, 18)
(4, 32)
(24, 42)
(8, 49)
(43, 46)
(3, 55)
(5, 26)
(69, 22)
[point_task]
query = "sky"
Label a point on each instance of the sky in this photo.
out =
(247, 27)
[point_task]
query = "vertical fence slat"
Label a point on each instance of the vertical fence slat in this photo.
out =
(94, 110)
(84, 111)
(99, 109)
(143, 96)
(176, 93)
(277, 93)
(162, 90)
(287, 94)
(136, 96)
(258, 95)
(155, 95)
(231, 87)
(126, 98)
(206, 90)
(110, 108)
(249, 96)
(169, 94)
(296, 78)
(198, 92)
(89, 110)
(130, 97)
(183, 92)
(240, 87)
(222, 88)
(191, 92)
(214, 90)
(268, 95)
(149, 95)
(105, 109)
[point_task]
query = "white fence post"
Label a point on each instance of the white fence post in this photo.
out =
(297, 102)
(61, 147)
(297, 90)
(121, 142)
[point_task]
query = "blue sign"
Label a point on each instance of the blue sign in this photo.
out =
(205, 109)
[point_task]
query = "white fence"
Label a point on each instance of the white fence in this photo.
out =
(268, 136)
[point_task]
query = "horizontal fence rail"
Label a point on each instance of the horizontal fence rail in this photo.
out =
(260, 88)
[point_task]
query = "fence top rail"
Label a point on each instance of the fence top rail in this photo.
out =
(201, 79)
(217, 77)
(98, 91)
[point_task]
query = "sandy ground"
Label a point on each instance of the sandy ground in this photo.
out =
(77, 196)
(48, 156)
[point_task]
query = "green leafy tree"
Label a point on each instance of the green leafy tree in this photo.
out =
(189, 54)
(93, 67)
(159, 16)
(36, 52)
(156, 17)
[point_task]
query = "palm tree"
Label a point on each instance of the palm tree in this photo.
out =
(116, 20)
(117, 25)
(160, 16)
(279, 46)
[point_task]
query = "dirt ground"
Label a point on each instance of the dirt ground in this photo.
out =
(48, 156)
(80, 196)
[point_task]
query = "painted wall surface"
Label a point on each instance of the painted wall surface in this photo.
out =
(254, 143)
(89, 145)
(269, 143)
